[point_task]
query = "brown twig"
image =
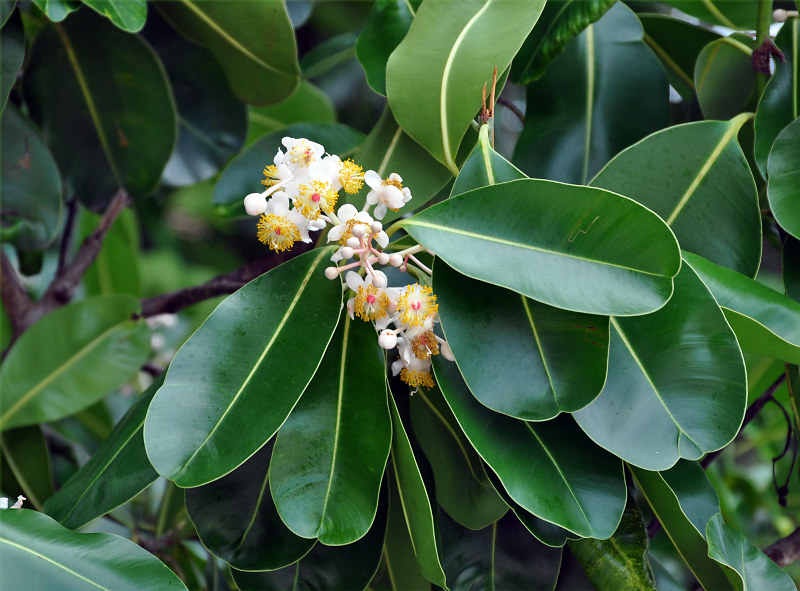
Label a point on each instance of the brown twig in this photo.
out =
(786, 550)
(513, 108)
(69, 230)
(15, 299)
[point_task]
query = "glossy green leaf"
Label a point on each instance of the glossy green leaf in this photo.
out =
(388, 23)
(548, 360)
(236, 518)
(695, 176)
(71, 358)
(118, 471)
(559, 23)
(210, 130)
(329, 54)
(556, 231)
(724, 78)
(116, 268)
(418, 507)
(734, 15)
(549, 468)
(484, 167)
(648, 413)
(791, 268)
(27, 458)
(780, 103)
(253, 42)
(574, 123)
(729, 546)
(502, 555)
(234, 382)
(331, 453)
(765, 321)
(677, 44)
(307, 104)
(681, 499)
(783, 170)
(56, 10)
(128, 15)
(37, 552)
(90, 94)
(6, 9)
(463, 489)
(244, 173)
(620, 562)
(325, 567)
(460, 44)
(12, 52)
(30, 185)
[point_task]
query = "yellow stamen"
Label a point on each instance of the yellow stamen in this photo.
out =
(316, 198)
(424, 345)
(416, 304)
(415, 379)
(271, 172)
(351, 176)
(277, 232)
(371, 303)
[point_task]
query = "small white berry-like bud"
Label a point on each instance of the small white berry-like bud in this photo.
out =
(379, 279)
(255, 204)
(388, 339)
(353, 242)
(359, 230)
(346, 252)
(331, 272)
(383, 258)
(395, 260)
(376, 227)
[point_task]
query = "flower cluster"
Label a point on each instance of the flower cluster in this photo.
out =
(303, 189)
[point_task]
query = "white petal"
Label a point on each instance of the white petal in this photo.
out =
(397, 366)
(372, 179)
(391, 196)
(255, 204)
(347, 211)
(353, 280)
(335, 233)
(279, 203)
(382, 238)
(380, 211)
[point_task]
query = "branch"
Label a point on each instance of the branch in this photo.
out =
(69, 229)
(786, 550)
(175, 301)
(15, 299)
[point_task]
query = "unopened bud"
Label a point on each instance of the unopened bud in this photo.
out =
(395, 260)
(359, 230)
(346, 252)
(383, 258)
(353, 242)
(379, 279)
(388, 339)
(255, 204)
(376, 227)
(331, 272)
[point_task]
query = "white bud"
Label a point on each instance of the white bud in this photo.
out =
(353, 242)
(379, 279)
(331, 272)
(255, 204)
(395, 260)
(359, 230)
(383, 258)
(388, 339)
(376, 227)
(346, 252)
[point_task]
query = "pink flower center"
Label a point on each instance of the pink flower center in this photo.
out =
(416, 305)
(278, 231)
(370, 299)
(315, 197)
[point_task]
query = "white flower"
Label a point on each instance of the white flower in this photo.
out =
(387, 194)
(279, 205)
(354, 222)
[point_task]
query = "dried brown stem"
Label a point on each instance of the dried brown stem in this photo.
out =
(16, 302)
(786, 550)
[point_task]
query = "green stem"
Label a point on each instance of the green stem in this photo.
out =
(762, 34)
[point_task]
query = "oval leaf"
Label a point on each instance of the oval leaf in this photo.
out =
(27, 459)
(484, 167)
(12, 53)
(331, 453)
(734, 15)
(118, 471)
(56, 10)
(648, 413)
(459, 44)
(234, 382)
(547, 359)
(37, 551)
(549, 468)
(783, 189)
(388, 23)
(574, 123)
(620, 257)
(128, 15)
(253, 41)
(71, 358)
(695, 176)
(116, 267)
(765, 321)
(723, 76)
(307, 104)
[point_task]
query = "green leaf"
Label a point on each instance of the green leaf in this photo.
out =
(325, 567)
(783, 188)
(780, 103)
(459, 44)
(331, 453)
(417, 502)
(731, 548)
(734, 15)
(30, 185)
(502, 555)
(574, 123)
(116, 268)
(681, 499)
(253, 42)
(71, 358)
(307, 104)
(556, 231)
(723, 76)
(234, 382)
(484, 167)
(243, 174)
(620, 562)
(463, 489)
(38, 552)
(677, 44)
(236, 518)
(388, 23)
(389, 149)
(548, 360)
(27, 458)
(791, 268)
(128, 15)
(56, 10)
(12, 53)
(695, 176)
(648, 413)
(560, 22)
(118, 471)
(549, 468)
(210, 130)
(765, 321)
(90, 94)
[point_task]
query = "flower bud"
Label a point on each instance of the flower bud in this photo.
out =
(255, 204)
(376, 227)
(379, 279)
(346, 252)
(331, 272)
(388, 339)
(383, 258)
(395, 260)
(353, 242)
(359, 230)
